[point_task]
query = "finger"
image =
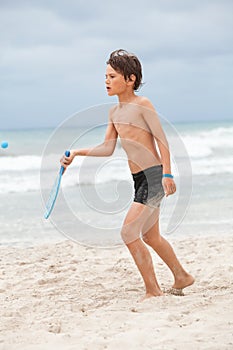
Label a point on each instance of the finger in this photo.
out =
(63, 162)
(170, 190)
(66, 160)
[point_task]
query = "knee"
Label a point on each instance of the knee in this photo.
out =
(129, 234)
(151, 240)
(147, 239)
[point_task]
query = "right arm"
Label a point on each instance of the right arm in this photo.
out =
(105, 149)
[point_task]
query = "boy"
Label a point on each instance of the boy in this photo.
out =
(135, 121)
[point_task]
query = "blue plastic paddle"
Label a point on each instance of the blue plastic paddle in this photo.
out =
(54, 192)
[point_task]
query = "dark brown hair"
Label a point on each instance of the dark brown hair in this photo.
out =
(126, 63)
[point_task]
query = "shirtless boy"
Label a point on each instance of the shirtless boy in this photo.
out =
(135, 121)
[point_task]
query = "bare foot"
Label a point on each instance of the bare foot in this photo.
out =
(183, 282)
(149, 295)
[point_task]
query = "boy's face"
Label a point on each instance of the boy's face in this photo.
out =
(115, 82)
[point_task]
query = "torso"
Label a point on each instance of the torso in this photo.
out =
(136, 137)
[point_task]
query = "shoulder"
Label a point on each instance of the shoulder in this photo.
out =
(145, 102)
(148, 110)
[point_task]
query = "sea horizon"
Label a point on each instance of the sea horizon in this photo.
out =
(30, 164)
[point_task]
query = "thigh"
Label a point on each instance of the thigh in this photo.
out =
(135, 219)
(137, 214)
(151, 225)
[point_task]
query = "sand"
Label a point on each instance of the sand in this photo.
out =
(67, 296)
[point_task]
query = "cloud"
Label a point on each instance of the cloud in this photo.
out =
(53, 54)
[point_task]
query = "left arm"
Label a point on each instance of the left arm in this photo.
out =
(151, 117)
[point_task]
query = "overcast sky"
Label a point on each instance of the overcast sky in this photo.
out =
(53, 57)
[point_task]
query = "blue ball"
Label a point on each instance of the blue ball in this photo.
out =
(4, 144)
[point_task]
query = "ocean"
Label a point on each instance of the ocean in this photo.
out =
(96, 192)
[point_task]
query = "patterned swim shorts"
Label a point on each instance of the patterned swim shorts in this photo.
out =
(148, 186)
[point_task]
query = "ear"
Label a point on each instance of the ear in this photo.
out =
(131, 79)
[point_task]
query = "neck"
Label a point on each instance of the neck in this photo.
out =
(127, 97)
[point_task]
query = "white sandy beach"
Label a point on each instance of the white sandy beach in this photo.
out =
(67, 296)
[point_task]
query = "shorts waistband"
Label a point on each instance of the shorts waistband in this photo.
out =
(159, 166)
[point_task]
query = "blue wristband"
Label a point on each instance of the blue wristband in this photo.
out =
(168, 175)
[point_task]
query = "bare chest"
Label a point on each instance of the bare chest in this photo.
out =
(129, 122)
